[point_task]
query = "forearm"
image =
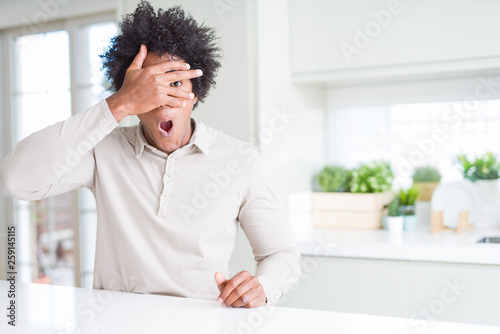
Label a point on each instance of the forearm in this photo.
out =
(278, 273)
(43, 158)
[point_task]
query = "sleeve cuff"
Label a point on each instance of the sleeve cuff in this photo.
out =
(272, 288)
(108, 115)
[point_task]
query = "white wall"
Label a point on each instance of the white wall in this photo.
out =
(293, 149)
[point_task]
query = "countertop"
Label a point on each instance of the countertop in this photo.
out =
(55, 309)
(418, 245)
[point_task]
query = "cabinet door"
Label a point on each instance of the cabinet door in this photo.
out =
(454, 292)
(341, 35)
(351, 285)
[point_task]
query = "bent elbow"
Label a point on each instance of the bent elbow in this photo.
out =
(14, 188)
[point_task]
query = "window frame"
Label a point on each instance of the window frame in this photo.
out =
(8, 119)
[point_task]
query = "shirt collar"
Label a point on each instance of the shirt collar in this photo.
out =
(140, 141)
(199, 138)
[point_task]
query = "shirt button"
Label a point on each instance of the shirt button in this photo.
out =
(166, 179)
(162, 198)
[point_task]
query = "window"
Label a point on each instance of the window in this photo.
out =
(55, 74)
(412, 135)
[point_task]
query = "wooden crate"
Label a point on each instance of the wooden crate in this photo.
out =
(348, 210)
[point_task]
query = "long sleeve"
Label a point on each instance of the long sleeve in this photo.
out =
(271, 237)
(58, 158)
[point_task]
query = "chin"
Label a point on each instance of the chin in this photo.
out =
(166, 144)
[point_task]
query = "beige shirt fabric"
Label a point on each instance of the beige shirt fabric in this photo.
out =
(166, 223)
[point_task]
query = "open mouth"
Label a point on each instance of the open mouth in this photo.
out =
(166, 127)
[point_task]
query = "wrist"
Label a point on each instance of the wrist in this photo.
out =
(116, 107)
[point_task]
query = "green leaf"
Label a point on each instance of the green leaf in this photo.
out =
(485, 167)
(334, 179)
(426, 174)
(374, 177)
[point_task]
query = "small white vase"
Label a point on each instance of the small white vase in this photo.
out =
(395, 224)
(489, 190)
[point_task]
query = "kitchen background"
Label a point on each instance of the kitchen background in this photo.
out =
(312, 83)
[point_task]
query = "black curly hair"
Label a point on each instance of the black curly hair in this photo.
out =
(170, 31)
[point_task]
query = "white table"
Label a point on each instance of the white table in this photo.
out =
(55, 309)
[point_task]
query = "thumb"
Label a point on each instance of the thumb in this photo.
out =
(219, 279)
(139, 59)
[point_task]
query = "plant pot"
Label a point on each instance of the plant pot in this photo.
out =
(426, 190)
(489, 190)
(395, 224)
(410, 223)
(349, 210)
(407, 210)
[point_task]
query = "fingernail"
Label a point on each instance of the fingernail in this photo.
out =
(223, 305)
(199, 72)
(191, 95)
(220, 300)
(183, 104)
(187, 65)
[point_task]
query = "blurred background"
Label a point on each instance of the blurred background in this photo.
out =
(311, 83)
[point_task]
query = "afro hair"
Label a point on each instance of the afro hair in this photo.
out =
(171, 31)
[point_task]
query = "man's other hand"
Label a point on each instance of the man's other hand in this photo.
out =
(243, 290)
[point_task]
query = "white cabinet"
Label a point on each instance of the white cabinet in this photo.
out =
(365, 39)
(454, 292)
(351, 285)
(420, 291)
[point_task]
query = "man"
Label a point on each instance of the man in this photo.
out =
(170, 191)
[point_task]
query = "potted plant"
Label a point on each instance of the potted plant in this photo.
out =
(395, 220)
(352, 199)
(334, 178)
(407, 200)
(484, 172)
(426, 180)
(375, 177)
